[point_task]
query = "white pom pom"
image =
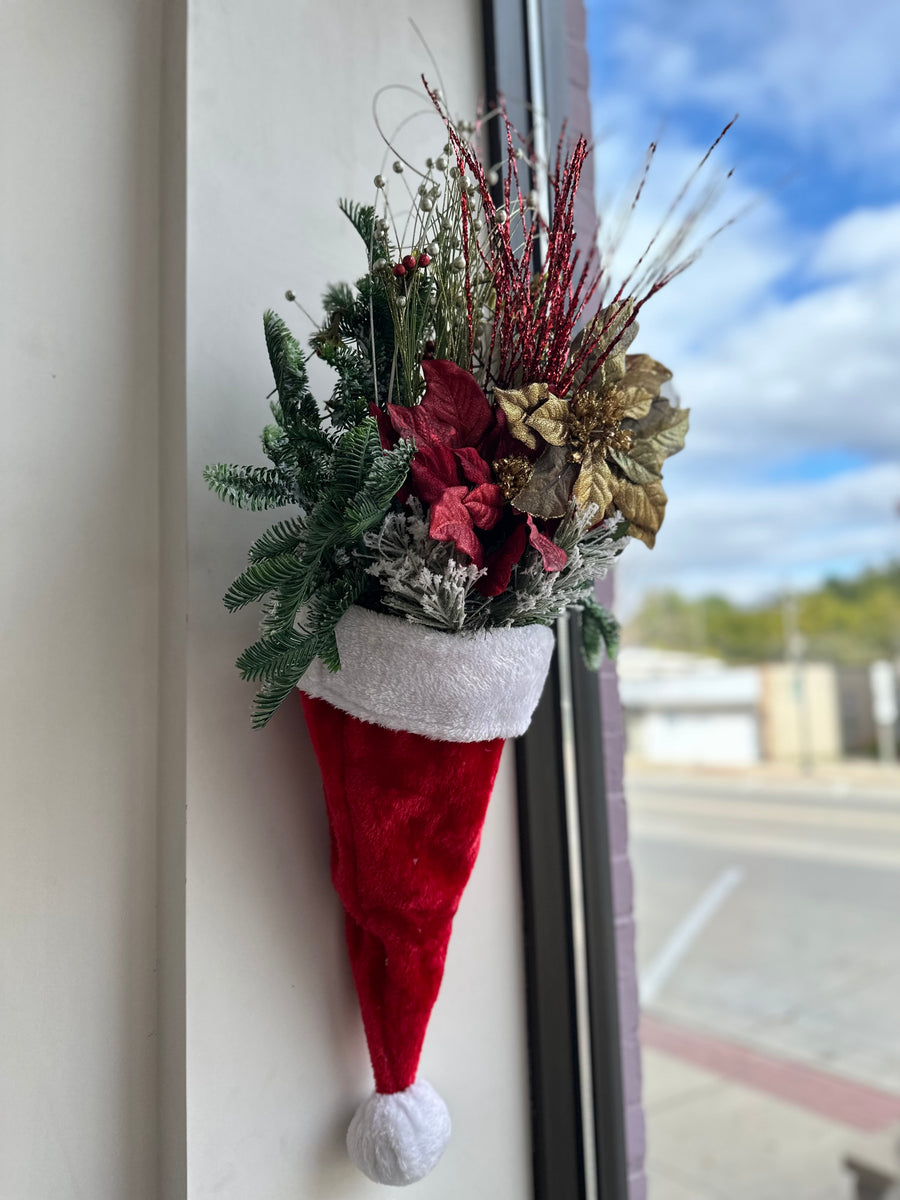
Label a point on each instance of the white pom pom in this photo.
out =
(398, 1138)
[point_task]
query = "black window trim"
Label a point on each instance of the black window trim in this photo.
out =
(578, 1124)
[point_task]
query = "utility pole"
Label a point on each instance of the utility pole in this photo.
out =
(883, 683)
(794, 653)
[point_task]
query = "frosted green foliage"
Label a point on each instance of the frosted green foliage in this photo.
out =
(428, 583)
(536, 596)
(422, 580)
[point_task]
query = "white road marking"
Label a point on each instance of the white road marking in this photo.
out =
(654, 978)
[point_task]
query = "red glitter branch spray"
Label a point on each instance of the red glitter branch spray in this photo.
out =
(538, 312)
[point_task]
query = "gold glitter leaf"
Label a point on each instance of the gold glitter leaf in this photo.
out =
(640, 385)
(552, 420)
(643, 507)
(594, 484)
(659, 434)
(517, 404)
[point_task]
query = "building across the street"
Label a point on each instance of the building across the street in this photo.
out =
(686, 709)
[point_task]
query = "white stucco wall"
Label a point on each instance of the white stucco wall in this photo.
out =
(101, 749)
(79, 103)
(280, 128)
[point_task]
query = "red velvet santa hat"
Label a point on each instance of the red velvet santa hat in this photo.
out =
(408, 735)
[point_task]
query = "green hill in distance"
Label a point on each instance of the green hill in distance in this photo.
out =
(846, 621)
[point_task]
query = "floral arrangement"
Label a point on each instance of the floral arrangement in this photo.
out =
(488, 450)
(490, 444)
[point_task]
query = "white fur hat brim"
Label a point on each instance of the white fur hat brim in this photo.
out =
(455, 687)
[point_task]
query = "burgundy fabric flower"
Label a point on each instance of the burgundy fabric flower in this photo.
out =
(509, 551)
(454, 411)
(455, 516)
(457, 486)
(457, 436)
(501, 561)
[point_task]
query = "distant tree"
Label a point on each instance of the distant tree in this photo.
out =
(848, 621)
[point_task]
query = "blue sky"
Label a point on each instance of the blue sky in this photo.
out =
(785, 336)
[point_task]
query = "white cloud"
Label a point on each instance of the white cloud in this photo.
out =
(733, 275)
(866, 241)
(818, 372)
(775, 378)
(747, 541)
(822, 74)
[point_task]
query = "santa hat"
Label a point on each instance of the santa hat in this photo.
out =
(408, 735)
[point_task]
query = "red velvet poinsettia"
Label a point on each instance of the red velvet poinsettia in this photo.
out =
(458, 434)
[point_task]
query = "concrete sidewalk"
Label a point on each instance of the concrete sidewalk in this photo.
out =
(771, 1049)
(714, 1138)
(709, 1138)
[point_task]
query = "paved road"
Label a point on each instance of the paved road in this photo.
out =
(770, 915)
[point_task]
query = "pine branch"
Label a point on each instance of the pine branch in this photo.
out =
(362, 218)
(337, 472)
(269, 699)
(289, 371)
(599, 630)
(249, 487)
(327, 607)
(286, 653)
(324, 531)
(328, 649)
(285, 445)
(366, 479)
(355, 453)
(327, 525)
(338, 302)
(281, 659)
(349, 402)
(384, 480)
(262, 577)
(284, 538)
(290, 597)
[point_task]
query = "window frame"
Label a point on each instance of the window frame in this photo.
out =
(577, 1106)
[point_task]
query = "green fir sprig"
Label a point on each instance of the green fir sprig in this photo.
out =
(304, 569)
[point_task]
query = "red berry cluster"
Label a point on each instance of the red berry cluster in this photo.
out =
(410, 264)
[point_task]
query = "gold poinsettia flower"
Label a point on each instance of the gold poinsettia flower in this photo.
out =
(605, 447)
(517, 404)
(588, 427)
